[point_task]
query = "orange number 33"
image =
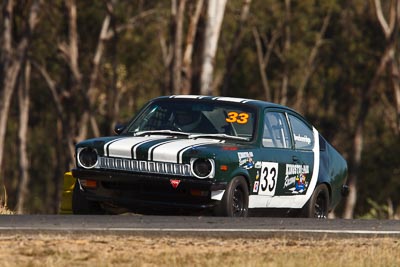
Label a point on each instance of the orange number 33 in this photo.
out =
(241, 118)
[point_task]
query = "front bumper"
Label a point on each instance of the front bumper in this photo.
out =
(138, 190)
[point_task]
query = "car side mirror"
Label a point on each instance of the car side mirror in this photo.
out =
(119, 128)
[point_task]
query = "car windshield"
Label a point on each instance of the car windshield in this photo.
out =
(197, 118)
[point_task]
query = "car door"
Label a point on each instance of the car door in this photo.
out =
(276, 153)
(286, 162)
(298, 174)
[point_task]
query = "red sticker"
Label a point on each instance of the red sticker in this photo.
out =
(174, 183)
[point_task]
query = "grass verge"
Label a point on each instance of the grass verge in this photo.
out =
(118, 250)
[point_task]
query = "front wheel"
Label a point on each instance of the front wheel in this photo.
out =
(235, 202)
(80, 205)
(318, 205)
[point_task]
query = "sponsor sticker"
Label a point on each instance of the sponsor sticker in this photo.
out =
(246, 160)
(255, 187)
(296, 178)
(303, 139)
(175, 183)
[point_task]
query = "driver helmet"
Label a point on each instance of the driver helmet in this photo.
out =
(187, 120)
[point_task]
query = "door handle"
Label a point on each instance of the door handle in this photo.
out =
(295, 159)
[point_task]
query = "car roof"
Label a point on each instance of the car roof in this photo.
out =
(252, 102)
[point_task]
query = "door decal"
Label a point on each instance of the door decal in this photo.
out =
(296, 181)
(269, 178)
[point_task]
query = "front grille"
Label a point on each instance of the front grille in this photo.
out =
(138, 187)
(144, 166)
(153, 191)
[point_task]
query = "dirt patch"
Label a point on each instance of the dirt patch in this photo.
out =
(118, 250)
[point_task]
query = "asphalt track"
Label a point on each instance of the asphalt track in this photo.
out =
(257, 227)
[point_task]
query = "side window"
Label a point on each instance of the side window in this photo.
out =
(302, 134)
(276, 131)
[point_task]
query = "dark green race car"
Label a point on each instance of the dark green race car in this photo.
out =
(226, 155)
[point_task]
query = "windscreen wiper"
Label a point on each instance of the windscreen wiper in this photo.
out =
(219, 136)
(167, 132)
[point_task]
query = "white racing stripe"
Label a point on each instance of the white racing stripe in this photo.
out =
(173, 151)
(296, 201)
(124, 147)
(165, 151)
(151, 149)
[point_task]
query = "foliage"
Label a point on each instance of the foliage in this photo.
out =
(133, 69)
(383, 211)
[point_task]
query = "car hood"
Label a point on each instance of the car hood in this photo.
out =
(158, 147)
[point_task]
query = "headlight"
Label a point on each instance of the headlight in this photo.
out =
(87, 157)
(202, 168)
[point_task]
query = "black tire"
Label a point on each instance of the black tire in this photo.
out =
(235, 202)
(318, 205)
(80, 205)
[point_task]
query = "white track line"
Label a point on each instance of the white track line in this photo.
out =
(361, 232)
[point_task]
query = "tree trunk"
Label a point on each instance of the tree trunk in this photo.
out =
(9, 74)
(263, 59)
(113, 92)
(358, 144)
(71, 51)
(188, 54)
(396, 88)
(286, 48)
(66, 120)
(177, 48)
(24, 101)
(12, 60)
(215, 15)
(233, 52)
(92, 92)
(310, 65)
(390, 30)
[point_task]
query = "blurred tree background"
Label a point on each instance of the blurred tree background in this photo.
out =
(72, 69)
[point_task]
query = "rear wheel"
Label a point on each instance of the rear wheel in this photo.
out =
(80, 205)
(318, 205)
(235, 202)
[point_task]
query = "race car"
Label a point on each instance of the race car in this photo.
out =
(227, 156)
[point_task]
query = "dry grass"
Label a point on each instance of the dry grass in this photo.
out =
(5, 210)
(3, 203)
(117, 250)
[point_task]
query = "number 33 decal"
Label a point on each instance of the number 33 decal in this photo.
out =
(269, 178)
(241, 118)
